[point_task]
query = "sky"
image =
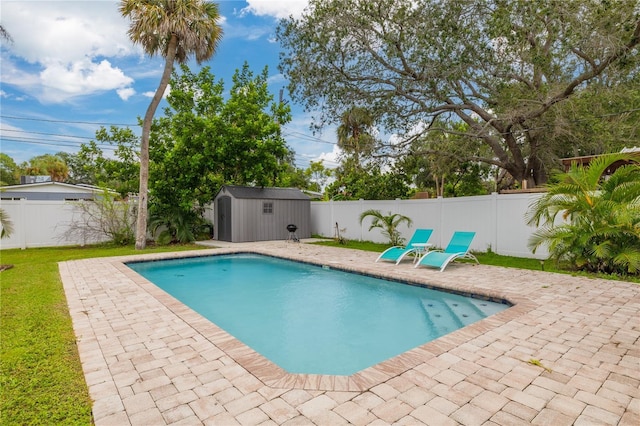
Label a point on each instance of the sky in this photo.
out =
(71, 68)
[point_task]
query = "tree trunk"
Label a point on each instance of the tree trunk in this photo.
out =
(539, 175)
(141, 222)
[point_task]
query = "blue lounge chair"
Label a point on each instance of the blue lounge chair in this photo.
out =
(397, 253)
(458, 248)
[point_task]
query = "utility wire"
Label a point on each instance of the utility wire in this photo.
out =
(66, 121)
(613, 114)
(46, 134)
(300, 160)
(36, 141)
(287, 131)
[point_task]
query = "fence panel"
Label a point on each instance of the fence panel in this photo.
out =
(512, 231)
(42, 224)
(497, 219)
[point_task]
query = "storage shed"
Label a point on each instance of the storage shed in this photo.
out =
(245, 213)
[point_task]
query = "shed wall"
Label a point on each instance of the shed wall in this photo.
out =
(249, 223)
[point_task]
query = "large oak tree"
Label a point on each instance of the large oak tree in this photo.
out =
(503, 67)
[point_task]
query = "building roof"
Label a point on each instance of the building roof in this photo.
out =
(252, 192)
(586, 159)
(51, 191)
(52, 187)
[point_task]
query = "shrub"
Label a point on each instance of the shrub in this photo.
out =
(598, 229)
(104, 216)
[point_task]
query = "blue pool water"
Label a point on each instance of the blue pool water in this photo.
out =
(310, 319)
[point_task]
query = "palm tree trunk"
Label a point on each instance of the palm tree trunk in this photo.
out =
(141, 222)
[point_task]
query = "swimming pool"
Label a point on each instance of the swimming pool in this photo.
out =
(309, 319)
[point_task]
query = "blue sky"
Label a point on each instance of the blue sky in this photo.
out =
(71, 67)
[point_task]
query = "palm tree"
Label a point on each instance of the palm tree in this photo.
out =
(354, 132)
(388, 224)
(6, 224)
(600, 226)
(174, 29)
(5, 34)
(6, 227)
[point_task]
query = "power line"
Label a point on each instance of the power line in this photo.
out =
(65, 121)
(299, 159)
(38, 141)
(46, 134)
(305, 136)
(292, 132)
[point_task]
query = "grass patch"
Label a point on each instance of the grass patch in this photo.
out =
(41, 378)
(488, 258)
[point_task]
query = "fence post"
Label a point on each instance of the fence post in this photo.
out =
(494, 222)
(22, 226)
(361, 203)
(332, 220)
(440, 201)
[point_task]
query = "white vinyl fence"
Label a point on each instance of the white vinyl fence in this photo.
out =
(497, 219)
(43, 224)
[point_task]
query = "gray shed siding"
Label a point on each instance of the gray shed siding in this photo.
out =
(250, 223)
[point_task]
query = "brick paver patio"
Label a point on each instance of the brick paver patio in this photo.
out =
(567, 352)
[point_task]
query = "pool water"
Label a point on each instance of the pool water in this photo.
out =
(311, 319)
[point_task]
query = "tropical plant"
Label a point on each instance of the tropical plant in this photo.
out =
(174, 224)
(591, 221)
(6, 224)
(388, 224)
(175, 29)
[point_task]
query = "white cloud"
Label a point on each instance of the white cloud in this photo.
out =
(250, 32)
(330, 159)
(150, 94)
(66, 31)
(65, 43)
(276, 79)
(277, 8)
(61, 82)
(126, 93)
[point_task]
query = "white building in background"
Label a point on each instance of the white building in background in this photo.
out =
(50, 191)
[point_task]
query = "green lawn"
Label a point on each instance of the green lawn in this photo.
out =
(488, 258)
(41, 379)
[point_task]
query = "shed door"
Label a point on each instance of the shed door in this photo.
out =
(224, 218)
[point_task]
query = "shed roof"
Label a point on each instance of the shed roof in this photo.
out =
(251, 192)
